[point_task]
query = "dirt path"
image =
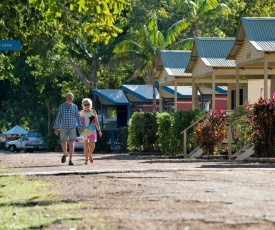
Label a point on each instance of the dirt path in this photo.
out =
(152, 192)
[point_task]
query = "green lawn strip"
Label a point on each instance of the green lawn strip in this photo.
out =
(29, 204)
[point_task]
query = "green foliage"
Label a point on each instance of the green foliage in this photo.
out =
(182, 120)
(165, 122)
(135, 138)
(254, 8)
(122, 139)
(212, 131)
(164, 135)
(196, 12)
(240, 129)
(32, 84)
(142, 131)
(96, 18)
(143, 50)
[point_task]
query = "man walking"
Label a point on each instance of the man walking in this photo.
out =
(67, 120)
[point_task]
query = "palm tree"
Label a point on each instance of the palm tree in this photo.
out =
(144, 50)
(200, 10)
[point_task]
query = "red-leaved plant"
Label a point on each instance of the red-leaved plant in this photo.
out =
(211, 132)
(262, 122)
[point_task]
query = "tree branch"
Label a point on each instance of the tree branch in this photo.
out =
(79, 72)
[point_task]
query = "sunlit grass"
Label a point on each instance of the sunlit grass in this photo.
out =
(29, 204)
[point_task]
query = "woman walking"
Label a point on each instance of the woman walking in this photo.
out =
(90, 126)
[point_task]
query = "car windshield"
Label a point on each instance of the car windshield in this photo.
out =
(33, 134)
(22, 138)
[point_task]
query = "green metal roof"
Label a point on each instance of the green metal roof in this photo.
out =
(259, 31)
(175, 61)
(212, 51)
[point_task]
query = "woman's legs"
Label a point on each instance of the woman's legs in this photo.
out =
(86, 150)
(91, 149)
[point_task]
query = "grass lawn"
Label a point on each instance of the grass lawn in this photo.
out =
(26, 203)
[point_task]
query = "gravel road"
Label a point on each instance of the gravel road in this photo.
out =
(152, 192)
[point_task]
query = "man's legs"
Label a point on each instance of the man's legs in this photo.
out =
(71, 149)
(72, 138)
(63, 139)
(64, 147)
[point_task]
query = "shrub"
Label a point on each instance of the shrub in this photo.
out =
(241, 129)
(135, 138)
(165, 137)
(122, 135)
(142, 134)
(262, 121)
(162, 131)
(211, 132)
(182, 120)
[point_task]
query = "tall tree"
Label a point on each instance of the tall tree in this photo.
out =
(144, 50)
(197, 11)
(254, 8)
(26, 20)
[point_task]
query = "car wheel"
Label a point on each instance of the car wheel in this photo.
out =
(12, 148)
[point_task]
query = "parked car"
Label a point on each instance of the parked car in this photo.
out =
(78, 145)
(17, 145)
(34, 141)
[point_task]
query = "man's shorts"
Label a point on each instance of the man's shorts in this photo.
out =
(68, 134)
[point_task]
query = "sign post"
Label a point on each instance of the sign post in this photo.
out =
(9, 45)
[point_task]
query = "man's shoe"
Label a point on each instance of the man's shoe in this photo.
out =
(71, 163)
(63, 159)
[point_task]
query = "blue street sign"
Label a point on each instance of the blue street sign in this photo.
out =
(9, 45)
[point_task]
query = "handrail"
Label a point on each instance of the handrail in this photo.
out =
(229, 136)
(184, 132)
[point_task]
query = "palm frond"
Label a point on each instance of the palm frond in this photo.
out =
(122, 38)
(156, 40)
(153, 22)
(143, 35)
(126, 45)
(222, 9)
(175, 30)
(130, 55)
(206, 5)
(184, 44)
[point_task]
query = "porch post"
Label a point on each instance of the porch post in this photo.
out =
(265, 78)
(213, 91)
(176, 96)
(160, 99)
(194, 96)
(237, 87)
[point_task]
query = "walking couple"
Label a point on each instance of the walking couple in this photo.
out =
(68, 119)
